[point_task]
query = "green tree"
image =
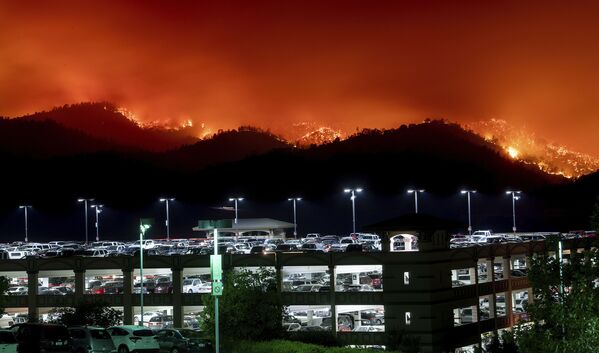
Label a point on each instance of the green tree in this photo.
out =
(595, 216)
(250, 307)
(3, 287)
(88, 313)
(565, 310)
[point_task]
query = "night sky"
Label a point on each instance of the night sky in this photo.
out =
(344, 63)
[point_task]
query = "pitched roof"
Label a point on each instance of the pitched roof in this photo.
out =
(249, 224)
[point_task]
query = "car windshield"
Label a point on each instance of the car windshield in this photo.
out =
(143, 333)
(99, 334)
(187, 282)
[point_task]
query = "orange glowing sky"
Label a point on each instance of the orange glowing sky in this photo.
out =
(343, 63)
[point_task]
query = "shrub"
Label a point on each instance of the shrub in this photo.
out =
(280, 346)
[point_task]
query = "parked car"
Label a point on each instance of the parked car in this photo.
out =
(182, 341)
(367, 329)
(308, 288)
(8, 343)
(259, 249)
(312, 247)
(64, 289)
(159, 322)
(192, 285)
(286, 247)
(91, 339)
(291, 326)
(113, 287)
(21, 290)
(149, 286)
(164, 287)
(6, 321)
(43, 338)
(148, 315)
(132, 338)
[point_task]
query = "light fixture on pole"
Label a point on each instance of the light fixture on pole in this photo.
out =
(168, 223)
(143, 227)
(515, 196)
(294, 199)
(98, 209)
(236, 200)
(468, 192)
(415, 192)
(25, 207)
(353, 204)
(85, 201)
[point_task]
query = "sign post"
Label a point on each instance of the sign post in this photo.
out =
(144, 225)
(216, 270)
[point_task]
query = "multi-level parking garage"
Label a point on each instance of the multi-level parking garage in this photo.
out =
(447, 299)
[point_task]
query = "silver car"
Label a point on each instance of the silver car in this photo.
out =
(87, 339)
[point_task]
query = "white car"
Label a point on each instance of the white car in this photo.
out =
(368, 329)
(6, 321)
(8, 343)
(15, 255)
(148, 315)
(21, 290)
(241, 248)
(192, 285)
(131, 338)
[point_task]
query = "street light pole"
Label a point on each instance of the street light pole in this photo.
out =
(235, 199)
(168, 223)
(294, 199)
(415, 191)
(142, 231)
(216, 324)
(25, 207)
(86, 226)
(468, 192)
(98, 210)
(353, 204)
(515, 196)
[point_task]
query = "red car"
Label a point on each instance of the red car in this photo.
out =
(164, 287)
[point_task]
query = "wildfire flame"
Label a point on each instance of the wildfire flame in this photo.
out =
(524, 146)
(512, 152)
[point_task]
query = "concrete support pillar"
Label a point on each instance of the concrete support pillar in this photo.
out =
(531, 297)
(128, 297)
(332, 282)
(177, 276)
(508, 294)
(79, 285)
(385, 242)
(506, 267)
(492, 300)
(32, 284)
(490, 270)
(473, 274)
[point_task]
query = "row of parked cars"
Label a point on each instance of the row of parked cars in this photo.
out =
(370, 281)
(55, 338)
(485, 237)
(365, 321)
(313, 242)
(151, 285)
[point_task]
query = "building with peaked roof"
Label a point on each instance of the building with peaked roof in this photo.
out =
(268, 226)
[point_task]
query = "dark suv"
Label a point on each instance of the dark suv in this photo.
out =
(183, 341)
(37, 338)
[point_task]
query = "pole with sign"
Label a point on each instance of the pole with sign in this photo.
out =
(144, 225)
(216, 270)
